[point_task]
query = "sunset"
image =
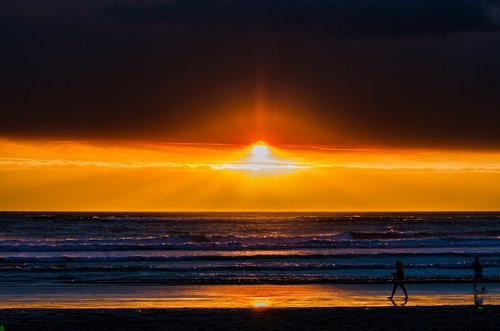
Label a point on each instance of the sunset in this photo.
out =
(60, 175)
(217, 165)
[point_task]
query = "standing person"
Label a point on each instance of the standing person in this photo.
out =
(478, 271)
(399, 278)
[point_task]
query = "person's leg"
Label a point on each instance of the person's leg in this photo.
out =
(480, 281)
(404, 290)
(393, 290)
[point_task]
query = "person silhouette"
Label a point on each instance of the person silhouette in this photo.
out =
(398, 277)
(478, 272)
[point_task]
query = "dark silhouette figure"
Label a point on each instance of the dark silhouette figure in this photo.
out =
(478, 272)
(399, 278)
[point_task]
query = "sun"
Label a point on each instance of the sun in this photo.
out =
(262, 158)
(260, 152)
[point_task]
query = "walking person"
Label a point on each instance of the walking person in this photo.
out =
(478, 272)
(399, 277)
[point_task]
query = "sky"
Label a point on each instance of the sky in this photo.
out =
(386, 104)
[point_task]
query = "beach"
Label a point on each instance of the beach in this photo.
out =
(248, 307)
(393, 318)
(247, 271)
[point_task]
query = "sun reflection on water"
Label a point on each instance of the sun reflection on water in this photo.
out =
(261, 303)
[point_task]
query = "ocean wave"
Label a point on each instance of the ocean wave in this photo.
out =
(294, 217)
(425, 234)
(242, 266)
(234, 242)
(244, 247)
(241, 278)
(256, 257)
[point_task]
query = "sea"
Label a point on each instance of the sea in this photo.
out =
(245, 248)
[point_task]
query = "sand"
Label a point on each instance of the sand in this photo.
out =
(387, 318)
(120, 296)
(247, 307)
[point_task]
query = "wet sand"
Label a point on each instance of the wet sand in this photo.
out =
(106, 296)
(382, 318)
(248, 307)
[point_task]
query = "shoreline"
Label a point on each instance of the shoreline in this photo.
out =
(170, 296)
(181, 282)
(387, 318)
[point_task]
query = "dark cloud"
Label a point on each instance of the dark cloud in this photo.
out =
(345, 18)
(428, 75)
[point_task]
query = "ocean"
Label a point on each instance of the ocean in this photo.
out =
(244, 248)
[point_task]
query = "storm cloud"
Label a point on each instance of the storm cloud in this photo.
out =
(344, 18)
(362, 72)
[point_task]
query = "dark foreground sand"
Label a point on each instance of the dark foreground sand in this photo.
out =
(387, 318)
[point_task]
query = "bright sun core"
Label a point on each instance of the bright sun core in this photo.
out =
(260, 152)
(261, 158)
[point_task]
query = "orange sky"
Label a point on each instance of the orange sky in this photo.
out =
(157, 176)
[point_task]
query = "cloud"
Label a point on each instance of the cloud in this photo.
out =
(198, 71)
(343, 18)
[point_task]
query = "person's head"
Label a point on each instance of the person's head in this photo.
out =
(399, 264)
(476, 259)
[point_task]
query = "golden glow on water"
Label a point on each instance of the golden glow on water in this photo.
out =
(132, 176)
(261, 303)
(248, 296)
